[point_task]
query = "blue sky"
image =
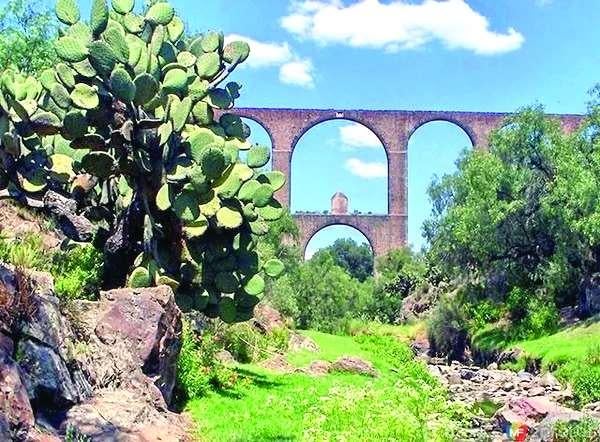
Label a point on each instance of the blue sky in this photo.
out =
(472, 55)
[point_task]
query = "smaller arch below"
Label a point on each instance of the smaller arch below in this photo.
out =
(383, 232)
(360, 238)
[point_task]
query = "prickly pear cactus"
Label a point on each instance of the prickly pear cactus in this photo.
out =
(135, 121)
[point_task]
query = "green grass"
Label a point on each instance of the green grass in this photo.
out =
(575, 343)
(404, 403)
(573, 354)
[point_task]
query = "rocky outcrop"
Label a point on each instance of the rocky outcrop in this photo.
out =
(106, 368)
(133, 334)
(267, 319)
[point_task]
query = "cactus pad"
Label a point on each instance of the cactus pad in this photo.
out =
(229, 218)
(255, 285)
(122, 85)
(160, 14)
(258, 156)
(84, 96)
(67, 11)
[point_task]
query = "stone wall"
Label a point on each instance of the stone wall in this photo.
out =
(394, 128)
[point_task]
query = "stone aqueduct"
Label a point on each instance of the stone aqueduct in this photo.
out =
(394, 129)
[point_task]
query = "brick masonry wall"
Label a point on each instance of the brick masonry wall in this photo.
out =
(394, 128)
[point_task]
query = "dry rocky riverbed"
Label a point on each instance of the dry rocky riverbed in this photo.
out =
(537, 401)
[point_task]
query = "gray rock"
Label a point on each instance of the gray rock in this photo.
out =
(46, 376)
(548, 380)
(224, 357)
(47, 325)
(537, 391)
(298, 342)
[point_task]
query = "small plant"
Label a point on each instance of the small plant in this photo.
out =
(77, 272)
(248, 344)
(198, 370)
(586, 430)
(74, 435)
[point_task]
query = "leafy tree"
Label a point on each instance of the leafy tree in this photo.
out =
(398, 274)
(27, 34)
(491, 218)
(320, 295)
(356, 259)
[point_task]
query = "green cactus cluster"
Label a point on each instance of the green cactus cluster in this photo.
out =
(136, 114)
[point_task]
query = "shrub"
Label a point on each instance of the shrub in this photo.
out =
(320, 295)
(248, 344)
(585, 430)
(77, 272)
(198, 370)
(584, 379)
(447, 328)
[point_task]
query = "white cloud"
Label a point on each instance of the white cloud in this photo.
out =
(398, 25)
(264, 54)
(365, 169)
(357, 135)
(293, 70)
(298, 72)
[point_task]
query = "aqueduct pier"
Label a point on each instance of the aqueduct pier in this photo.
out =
(394, 129)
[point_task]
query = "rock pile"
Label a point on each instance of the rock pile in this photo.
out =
(106, 369)
(520, 400)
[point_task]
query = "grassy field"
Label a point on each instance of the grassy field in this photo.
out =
(404, 403)
(573, 354)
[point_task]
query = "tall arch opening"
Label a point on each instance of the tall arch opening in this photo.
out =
(339, 156)
(433, 150)
(351, 249)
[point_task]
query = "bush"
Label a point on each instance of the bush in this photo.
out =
(77, 272)
(320, 295)
(447, 328)
(198, 370)
(26, 252)
(586, 430)
(248, 344)
(398, 274)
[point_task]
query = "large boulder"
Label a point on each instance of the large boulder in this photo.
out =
(106, 367)
(133, 332)
(125, 416)
(16, 414)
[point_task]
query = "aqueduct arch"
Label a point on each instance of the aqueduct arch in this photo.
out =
(393, 128)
